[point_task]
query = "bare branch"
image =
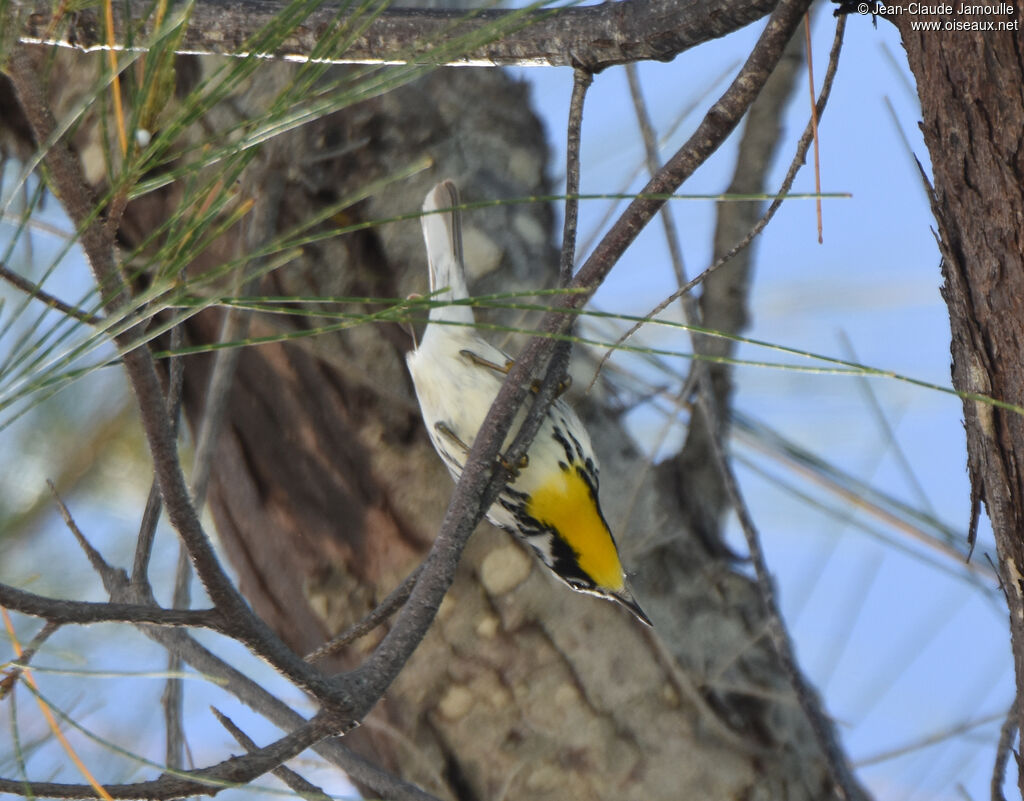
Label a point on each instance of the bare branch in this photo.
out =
(581, 81)
(208, 781)
(1007, 733)
(99, 564)
(151, 513)
(29, 651)
(592, 37)
(37, 292)
(294, 781)
(376, 617)
(59, 610)
(280, 714)
(650, 140)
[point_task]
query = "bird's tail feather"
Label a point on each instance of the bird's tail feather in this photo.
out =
(442, 231)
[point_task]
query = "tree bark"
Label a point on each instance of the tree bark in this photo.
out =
(971, 86)
(592, 37)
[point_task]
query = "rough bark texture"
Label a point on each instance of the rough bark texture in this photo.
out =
(971, 86)
(326, 492)
(593, 37)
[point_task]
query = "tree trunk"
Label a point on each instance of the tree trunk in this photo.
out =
(971, 86)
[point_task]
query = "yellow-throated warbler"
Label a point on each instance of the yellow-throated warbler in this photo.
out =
(551, 503)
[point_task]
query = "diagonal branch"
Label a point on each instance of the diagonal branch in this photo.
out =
(256, 697)
(208, 781)
(591, 37)
(301, 786)
(376, 617)
(37, 292)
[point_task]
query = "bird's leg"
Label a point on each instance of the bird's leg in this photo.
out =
(513, 467)
(447, 433)
(503, 369)
(482, 362)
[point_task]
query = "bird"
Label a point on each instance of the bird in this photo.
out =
(551, 500)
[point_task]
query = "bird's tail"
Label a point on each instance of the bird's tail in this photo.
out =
(442, 231)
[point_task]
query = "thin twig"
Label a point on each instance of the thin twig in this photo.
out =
(27, 653)
(581, 80)
(82, 613)
(232, 771)
(650, 140)
(303, 788)
(95, 558)
(37, 292)
(151, 513)
(929, 740)
(147, 534)
(1007, 733)
(391, 604)
(814, 123)
(173, 697)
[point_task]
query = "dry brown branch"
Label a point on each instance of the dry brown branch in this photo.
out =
(593, 37)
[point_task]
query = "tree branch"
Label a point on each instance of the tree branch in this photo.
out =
(280, 714)
(12, 674)
(301, 786)
(380, 613)
(581, 81)
(592, 37)
(37, 292)
(59, 610)
(208, 781)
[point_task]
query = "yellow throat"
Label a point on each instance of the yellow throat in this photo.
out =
(565, 503)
